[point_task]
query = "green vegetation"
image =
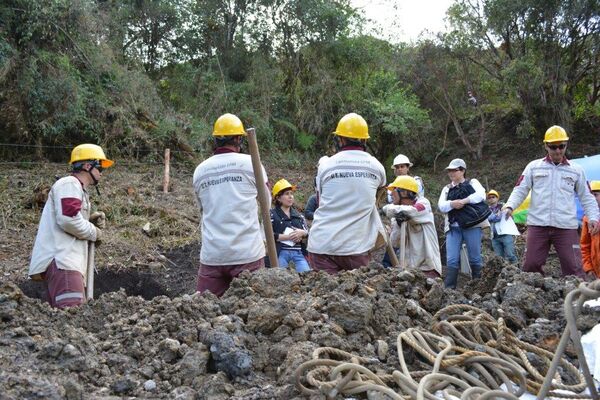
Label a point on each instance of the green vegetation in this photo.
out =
(145, 74)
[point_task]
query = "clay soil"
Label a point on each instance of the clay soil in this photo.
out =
(147, 335)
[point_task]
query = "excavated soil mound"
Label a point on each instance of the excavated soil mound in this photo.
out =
(247, 344)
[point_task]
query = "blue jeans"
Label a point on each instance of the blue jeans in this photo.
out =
(454, 239)
(295, 256)
(504, 246)
(386, 262)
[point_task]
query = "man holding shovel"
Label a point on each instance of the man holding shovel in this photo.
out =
(346, 225)
(60, 252)
(413, 227)
(226, 192)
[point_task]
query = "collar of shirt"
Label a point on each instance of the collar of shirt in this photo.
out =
(352, 148)
(564, 160)
(283, 215)
(223, 150)
(76, 177)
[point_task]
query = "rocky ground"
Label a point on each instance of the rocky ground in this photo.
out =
(247, 344)
(153, 338)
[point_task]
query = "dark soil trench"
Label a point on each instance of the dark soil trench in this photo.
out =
(177, 277)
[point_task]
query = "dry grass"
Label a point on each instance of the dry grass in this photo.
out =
(131, 197)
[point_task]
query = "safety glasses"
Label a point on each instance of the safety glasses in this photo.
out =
(98, 165)
(557, 146)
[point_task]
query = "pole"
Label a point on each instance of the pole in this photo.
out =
(403, 245)
(380, 200)
(167, 171)
(263, 197)
(388, 244)
(89, 287)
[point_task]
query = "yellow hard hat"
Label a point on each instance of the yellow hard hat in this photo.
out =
(85, 152)
(555, 134)
(595, 186)
(405, 182)
(280, 186)
(492, 192)
(228, 125)
(353, 126)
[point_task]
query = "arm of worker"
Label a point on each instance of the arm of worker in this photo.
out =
(495, 216)
(267, 183)
(520, 191)
(296, 235)
(444, 205)
(420, 185)
(311, 207)
(586, 247)
(390, 210)
(196, 186)
(67, 207)
(478, 196)
(277, 226)
(589, 204)
(420, 212)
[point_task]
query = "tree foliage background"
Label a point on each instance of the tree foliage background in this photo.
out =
(145, 74)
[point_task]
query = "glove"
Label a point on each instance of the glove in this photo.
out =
(401, 216)
(98, 218)
(99, 235)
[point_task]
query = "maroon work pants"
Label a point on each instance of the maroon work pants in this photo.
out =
(335, 264)
(65, 287)
(566, 243)
(217, 278)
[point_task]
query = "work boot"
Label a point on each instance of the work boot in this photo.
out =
(451, 278)
(476, 271)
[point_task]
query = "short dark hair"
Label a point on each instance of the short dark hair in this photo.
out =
(221, 141)
(354, 142)
(78, 165)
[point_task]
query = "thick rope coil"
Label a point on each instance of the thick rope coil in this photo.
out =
(467, 354)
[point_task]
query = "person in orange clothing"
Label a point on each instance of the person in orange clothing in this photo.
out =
(590, 244)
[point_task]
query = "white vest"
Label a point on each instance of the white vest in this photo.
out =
(226, 193)
(346, 222)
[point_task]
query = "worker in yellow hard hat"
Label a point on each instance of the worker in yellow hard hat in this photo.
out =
(552, 218)
(503, 245)
(590, 244)
(67, 224)
(226, 193)
(401, 166)
(414, 211)
(289, 227)
(346, 225)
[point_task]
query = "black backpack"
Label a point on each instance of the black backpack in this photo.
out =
(471, 214)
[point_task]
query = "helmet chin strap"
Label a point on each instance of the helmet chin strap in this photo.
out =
(89, 171)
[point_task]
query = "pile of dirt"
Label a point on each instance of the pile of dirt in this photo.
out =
(247, 344)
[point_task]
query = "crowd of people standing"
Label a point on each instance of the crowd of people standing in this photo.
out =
(341, 225)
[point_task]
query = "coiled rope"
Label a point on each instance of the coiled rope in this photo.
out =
(467, 354)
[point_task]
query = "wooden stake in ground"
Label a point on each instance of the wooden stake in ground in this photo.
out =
(167, 171)
(89, 287)
(263, 197)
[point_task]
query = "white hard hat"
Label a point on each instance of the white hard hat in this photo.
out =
(321, 160)
(401, 159)
(457, 163)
